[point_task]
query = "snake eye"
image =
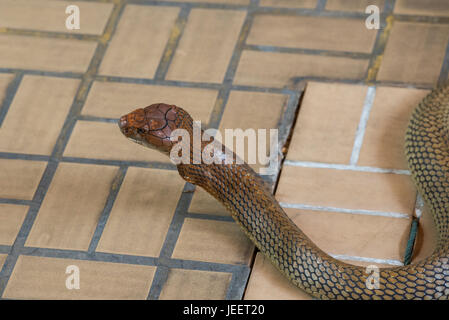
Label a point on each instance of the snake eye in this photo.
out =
(140, 131)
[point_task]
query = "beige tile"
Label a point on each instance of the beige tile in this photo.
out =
(112, 100)
(347, 189)
(214, 1)
(11, 219)
(213, 241)
(422, 7)
(267, 283)
(20, 178)
(2, 260)
(327, 123)
(427, 237)
(47, 54)
(289, 3)
(100, 140)
(273, 69)
(45, 278)
(22, 14)
(383, 142)
(202, 202)
(252, 110)
(322, 33)
(5, 80)
(142, 212)
(129, 54)
(414, 52)
(72, 206)
(195, 285)
(358, 235)
(353, 5)
(37, 114)
(206, 47)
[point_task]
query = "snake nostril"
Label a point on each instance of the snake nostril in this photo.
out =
(123, 122)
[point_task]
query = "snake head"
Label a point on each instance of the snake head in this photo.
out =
(152, 126)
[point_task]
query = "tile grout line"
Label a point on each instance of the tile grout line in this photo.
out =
(17, 202)
(106, 162)
(58, 149)
(212, 86)
(172, 43)
(171, 238)
(104, 216)
(306, 51)
(360, 133)
(387, 214)
(49, 34)
(223, 94)
(321, 5)
(4, 249)
(381, 41)
(335, 166)
(57, 74)
(126, 259)
(11, 91)
(367, 259)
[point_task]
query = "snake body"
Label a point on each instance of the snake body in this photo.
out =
(255, 209)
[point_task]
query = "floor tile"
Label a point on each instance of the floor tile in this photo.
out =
(112, 100)
(213, 241)
(72, 206)
(422, 7)
(420, 45)
(336, 188)
(48, 54)
(356, 235)
(273, 69)
(142, 57)
(309, 4)
(252, 110)
(204, 203)
(100, 140)
(45, 278)
(142, 212)
(383, 142)
(353, 5)
(20, 178)
(327, 123)
(21, 14)
(50, 99)
(206, 47)
(267, 283)
(323, 33)
(195, 285)
(11, 219)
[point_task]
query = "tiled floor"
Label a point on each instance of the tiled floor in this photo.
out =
(74, 192)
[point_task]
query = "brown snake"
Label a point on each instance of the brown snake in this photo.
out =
(255, 209)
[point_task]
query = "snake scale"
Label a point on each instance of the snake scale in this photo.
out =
(255, 209)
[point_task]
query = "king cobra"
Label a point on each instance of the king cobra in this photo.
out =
(253, 206)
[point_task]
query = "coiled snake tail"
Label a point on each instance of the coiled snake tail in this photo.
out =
(263, 220)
